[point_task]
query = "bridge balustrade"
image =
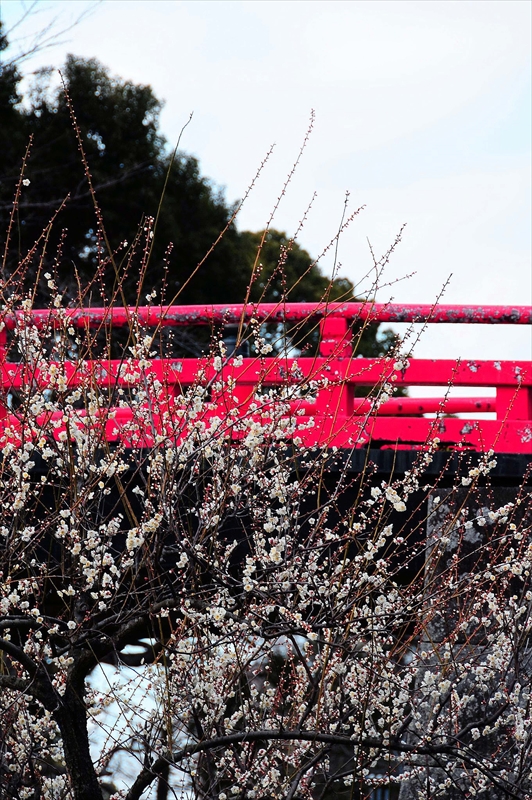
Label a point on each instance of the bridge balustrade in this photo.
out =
(340, 399)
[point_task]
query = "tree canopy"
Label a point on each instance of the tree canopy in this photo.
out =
(128, 161)
(135, 179)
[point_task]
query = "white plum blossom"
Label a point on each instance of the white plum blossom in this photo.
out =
(222, 605)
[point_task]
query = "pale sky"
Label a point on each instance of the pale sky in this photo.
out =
(422, 114)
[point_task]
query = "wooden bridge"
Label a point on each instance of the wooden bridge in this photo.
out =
(341, 400)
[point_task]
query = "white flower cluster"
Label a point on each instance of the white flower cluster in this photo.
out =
(267, 599)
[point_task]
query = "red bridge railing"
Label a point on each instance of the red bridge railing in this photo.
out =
(329, 384)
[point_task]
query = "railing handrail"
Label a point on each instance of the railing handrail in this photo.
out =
(232, 313)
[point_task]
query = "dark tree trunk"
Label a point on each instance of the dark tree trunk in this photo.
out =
(163, 783)
(71, 716)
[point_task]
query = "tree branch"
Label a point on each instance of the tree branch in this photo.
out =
(12, 682)
(19, 655)
(147, 776)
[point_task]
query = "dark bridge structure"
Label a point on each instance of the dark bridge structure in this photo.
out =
(349, 398)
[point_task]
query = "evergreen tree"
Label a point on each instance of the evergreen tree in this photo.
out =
(135, 178)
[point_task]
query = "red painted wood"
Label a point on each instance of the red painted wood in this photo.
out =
(327, 400)
(272, 312)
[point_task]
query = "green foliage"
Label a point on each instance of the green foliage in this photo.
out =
(118, 122)
(285, 270)
(11, 135)
(135, 178)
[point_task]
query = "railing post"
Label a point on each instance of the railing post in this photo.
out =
(336, 346)
(336, 340)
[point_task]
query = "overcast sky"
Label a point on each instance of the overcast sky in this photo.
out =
(422, 114)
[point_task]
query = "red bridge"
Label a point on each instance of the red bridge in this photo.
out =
(324, 391)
